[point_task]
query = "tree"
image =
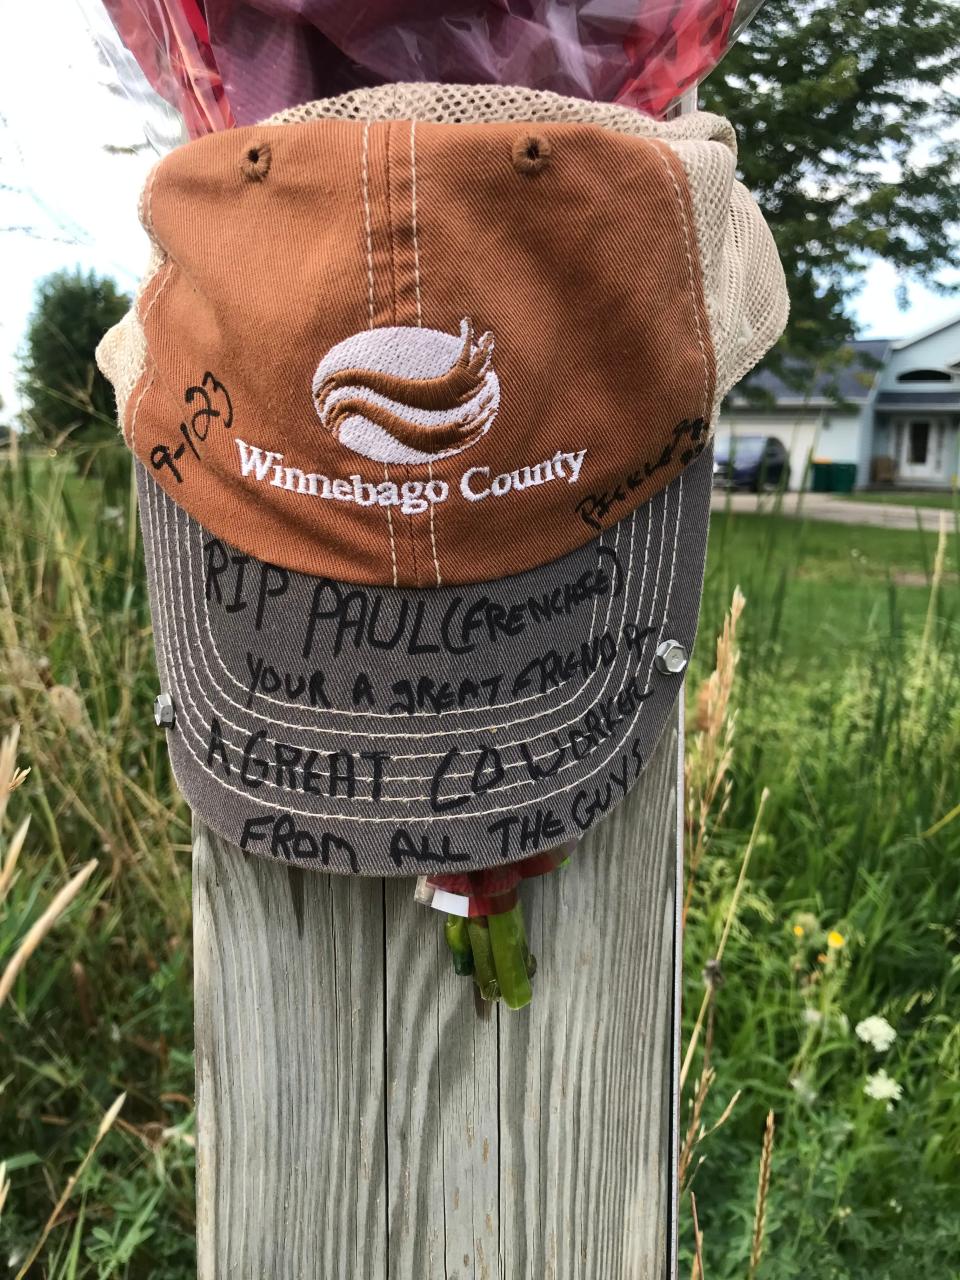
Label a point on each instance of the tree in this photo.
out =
(68, 398)
(845, 120)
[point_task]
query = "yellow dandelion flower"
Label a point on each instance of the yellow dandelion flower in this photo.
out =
(798, 930)
(835, 940)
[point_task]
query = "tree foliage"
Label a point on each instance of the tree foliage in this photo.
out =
(849, 140)
(68, 399)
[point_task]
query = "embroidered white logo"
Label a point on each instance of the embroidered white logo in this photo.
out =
(408, 395)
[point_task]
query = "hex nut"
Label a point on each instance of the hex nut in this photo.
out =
(671, 657)
(164, 711)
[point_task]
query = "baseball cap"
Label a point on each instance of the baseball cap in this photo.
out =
(420, 385)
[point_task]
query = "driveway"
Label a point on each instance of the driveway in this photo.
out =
(829, 506)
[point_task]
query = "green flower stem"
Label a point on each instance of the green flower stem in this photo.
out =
(485, 971)
(508, 941)
(458, 940)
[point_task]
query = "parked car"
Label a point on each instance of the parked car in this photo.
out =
(750, 462)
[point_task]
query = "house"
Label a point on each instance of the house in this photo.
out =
(892, 408)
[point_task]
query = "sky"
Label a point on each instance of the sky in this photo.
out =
(69, 192)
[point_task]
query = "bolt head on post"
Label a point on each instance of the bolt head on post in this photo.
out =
(671, 657)
(164, 711)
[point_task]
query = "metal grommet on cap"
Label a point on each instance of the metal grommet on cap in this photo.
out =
(164, 711)
(256, 161)
(531, 152)
(671, 657)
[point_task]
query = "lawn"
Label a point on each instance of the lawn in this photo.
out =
(847, 713)
(817, 592)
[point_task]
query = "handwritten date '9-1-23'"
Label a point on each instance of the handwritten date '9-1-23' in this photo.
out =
(215, 406)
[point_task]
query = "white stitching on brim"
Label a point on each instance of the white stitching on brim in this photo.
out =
(180, 619)
(473, 814)
(451, 733)
(158, 541)
(256, 798)
(395, 717)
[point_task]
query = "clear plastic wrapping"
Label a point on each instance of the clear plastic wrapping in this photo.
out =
(225, 62)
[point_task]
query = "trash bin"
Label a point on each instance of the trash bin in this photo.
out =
(832, 477)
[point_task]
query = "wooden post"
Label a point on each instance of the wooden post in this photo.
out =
(359, 1115)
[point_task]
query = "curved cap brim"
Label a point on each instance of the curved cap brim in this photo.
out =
(392, 731)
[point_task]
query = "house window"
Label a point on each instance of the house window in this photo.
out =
(919, 441)
(925, 375)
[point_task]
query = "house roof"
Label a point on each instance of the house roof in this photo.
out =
(919, 399)
(926, 333)
(852, 383)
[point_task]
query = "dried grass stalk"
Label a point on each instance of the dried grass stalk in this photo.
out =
(710, 993)
(763, 1191)
(710, 752)
(104, 1128)
(12, 855)
(38, 931)
(698, 1272)
(695, 1127)
(936, 582)
(10, 776)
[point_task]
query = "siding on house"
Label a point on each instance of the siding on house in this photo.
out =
(917, 420)
(864, 412)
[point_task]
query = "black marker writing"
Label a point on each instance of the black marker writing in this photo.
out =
(528, 832)
(214, 405)
(596, 507)
(435, 847)
(552, 669)
(588, 806)
(427, 695)
(361, 618)
(487, 772)
(291, 843)
(266, 679)
(322, 773)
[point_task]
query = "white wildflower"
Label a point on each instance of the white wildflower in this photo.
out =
(876, 1032)
(803, 1089)
(812, 1017)
(844, 1212)
(883, 1088)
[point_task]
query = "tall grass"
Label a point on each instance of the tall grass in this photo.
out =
(848, 714)
(104, 1004)
(828, 751)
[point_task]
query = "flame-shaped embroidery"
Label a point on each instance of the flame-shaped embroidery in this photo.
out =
(408, 395)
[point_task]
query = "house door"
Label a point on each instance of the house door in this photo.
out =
(920, 442)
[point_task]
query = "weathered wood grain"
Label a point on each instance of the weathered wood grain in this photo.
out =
(357, 1116)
